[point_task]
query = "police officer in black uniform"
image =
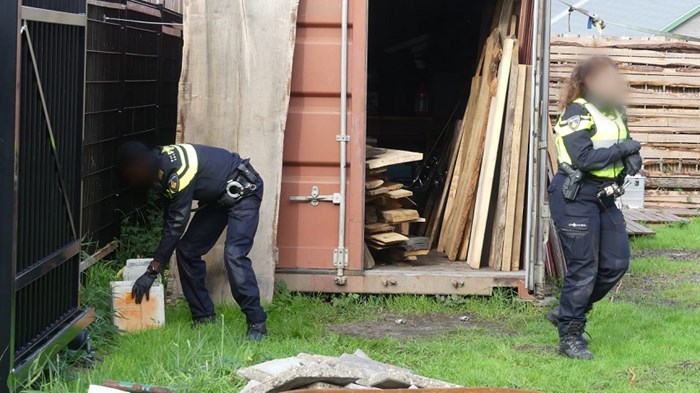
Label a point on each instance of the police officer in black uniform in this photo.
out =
(595, 152)
(229, 192)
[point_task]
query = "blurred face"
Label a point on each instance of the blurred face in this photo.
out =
(138, 174)
(607, 86)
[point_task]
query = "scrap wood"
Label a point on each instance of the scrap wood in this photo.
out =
(507, 179)
(391, 186)
(378, 227)
(387, 238)
(490, 156)
(396, 216)
(377, 191)
(368, 259)
(372, 183)
(522, 183)
(472, 145)
(445, 202)
(393, 157)
(398, 194)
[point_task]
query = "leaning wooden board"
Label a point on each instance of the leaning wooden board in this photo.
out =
(488, 164)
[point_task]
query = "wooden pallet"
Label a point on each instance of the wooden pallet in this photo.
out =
(637, 229)
(651, 216)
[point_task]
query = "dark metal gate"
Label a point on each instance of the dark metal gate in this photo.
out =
(41, 104)
(131, 82)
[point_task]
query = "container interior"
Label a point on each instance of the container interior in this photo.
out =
(422, 55)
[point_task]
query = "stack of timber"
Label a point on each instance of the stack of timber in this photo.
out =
(478, 215)
(389, 211)
(663, 106)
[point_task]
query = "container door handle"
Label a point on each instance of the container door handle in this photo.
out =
(315, 197)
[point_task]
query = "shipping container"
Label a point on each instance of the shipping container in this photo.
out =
(340, 50)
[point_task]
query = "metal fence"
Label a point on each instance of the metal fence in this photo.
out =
(132, 76)
(40, 137)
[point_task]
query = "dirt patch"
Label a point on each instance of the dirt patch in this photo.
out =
(672, 254)
(648, 290)
(414, 326)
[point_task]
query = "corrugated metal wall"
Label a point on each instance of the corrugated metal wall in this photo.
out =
(132, 75)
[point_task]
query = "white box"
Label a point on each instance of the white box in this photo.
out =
(129, 316)
(634, 192)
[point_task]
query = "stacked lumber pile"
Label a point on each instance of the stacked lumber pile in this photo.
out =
(478, 216)
(389, 210)
(663, 108)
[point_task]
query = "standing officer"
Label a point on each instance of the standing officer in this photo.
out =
(595, 152)
(229, 192)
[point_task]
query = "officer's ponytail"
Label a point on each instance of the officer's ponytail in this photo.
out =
(575, 87)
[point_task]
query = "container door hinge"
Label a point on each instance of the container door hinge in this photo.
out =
(315, 197)
(342, 138)
(340, 258)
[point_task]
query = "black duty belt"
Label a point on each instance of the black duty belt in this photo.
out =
(242, 183)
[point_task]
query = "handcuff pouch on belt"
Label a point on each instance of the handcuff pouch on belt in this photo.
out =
(241, 185)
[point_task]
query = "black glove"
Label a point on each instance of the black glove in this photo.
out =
(143, 285)
(628, 147)
(633, 164)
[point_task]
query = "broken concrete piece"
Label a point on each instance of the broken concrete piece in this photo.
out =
(304, 375)
(360, 353)
(368, 367)
(249, 386)
(398, 379)
(269, 369)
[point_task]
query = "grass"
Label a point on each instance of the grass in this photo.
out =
(646, 340)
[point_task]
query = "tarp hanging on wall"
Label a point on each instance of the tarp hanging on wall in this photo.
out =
(234, 93)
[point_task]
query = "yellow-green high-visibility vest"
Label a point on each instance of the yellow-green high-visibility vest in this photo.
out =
(609, 130)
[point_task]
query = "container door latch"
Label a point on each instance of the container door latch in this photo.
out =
(315, 197)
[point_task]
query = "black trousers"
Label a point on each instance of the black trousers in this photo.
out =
(595, 244)
(204, 230)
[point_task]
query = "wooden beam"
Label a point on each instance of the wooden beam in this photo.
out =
(490, 156)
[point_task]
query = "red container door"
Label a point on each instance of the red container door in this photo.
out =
(308, 233)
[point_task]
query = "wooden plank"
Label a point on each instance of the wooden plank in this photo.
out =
(472, 145)
(388, 238)
(378, 227)
(377, 191)
(506, 250)
(99, 255)
(490, 156)
(636, 229)
(393, 157)
(370, 215)
(507, 157)
(398, 194)
(516, 251)
(391, 186)
(373, 183)
(396, 216)
(457, 165)
(681, 212)
(437, 215)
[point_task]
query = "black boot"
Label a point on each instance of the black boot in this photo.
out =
(571, 343)
(553, 318)
(257, 331)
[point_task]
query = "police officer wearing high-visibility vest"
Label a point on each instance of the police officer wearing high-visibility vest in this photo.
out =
(229, 192)
(595, 152)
